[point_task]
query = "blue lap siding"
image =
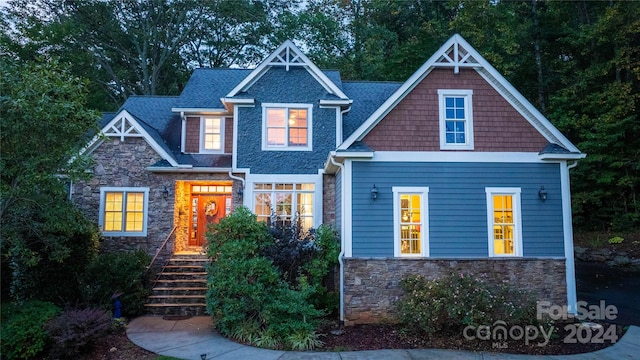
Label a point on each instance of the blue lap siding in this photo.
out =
(457, 206)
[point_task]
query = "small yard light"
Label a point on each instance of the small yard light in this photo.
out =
(542, 194)
(203, 356)
(374, 192)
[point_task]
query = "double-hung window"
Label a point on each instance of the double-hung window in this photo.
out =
(504, 221)
(123, 211)
(211, 134)
(410, 218)
(288, 201)
(287, 127)
(456, 119)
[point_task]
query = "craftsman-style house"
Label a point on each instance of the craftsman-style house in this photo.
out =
(452, 170)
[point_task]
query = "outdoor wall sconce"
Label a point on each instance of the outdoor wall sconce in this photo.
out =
(165, 192)
(374, 192)
(542, 194)
(240, 191)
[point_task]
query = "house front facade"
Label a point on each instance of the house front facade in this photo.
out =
(450, 171)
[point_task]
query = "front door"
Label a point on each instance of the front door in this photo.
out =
(206, 209)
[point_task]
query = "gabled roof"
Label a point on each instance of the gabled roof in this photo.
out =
(206, 86)
(456, 53)
(367, 97)
(287, 55)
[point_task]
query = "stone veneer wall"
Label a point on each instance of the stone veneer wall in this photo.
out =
(372, 285)
(329, 200)
(124, 164)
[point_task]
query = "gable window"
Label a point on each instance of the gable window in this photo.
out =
(504, 221)
(211, 134)
(456, 119)
(288, 202)
(411, 235)
(286, 127)
(123, 211)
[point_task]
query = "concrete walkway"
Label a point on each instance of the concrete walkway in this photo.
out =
(189, 339)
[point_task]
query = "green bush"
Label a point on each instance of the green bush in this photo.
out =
(23, 333)
(117, 272)
(75, 330)
(450, 303)
(253, 299)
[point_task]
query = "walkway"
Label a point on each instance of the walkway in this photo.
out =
(189, 339)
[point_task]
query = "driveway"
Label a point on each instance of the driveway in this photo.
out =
(617, 287)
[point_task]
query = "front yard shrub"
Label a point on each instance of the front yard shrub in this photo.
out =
(75, 330)
(122, 272)
(452, 302)
(23, 332)
(257, 299)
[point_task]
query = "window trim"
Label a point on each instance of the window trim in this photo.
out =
(124, 191)
(287, 106)
(202, 135)
(517, 219)
(468, 126)
(424, 219)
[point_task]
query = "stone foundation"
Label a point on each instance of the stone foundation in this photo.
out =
(372, 285)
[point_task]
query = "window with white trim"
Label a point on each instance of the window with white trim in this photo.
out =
(211, 134)
(286, 127)
(123, 211)
(288, 201)
(504, 221)
(456, 119)
(410, 218)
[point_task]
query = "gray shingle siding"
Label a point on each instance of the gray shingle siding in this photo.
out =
(280, 86)
(457, 206)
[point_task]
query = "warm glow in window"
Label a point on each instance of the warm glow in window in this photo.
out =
(123, 212)
(287, 127)
(410, 223)
(287, 201)
(503, 225)
(212, 134)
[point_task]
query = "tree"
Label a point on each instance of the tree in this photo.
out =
(43, 123)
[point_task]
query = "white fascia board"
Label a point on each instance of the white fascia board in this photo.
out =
(353, 154)
(456, 156)
(238, 101)
(341, 102)
(571, 156)
(193, 111)
(310, 66)
(180, 169)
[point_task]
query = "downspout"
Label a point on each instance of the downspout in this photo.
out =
(237, 178)
(341, 255)
(570, 271)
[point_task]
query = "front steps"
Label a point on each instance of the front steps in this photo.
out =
(181, 287)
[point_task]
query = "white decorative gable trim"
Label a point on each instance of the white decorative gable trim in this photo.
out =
(287, 55)
(456, 53)
(123, 126)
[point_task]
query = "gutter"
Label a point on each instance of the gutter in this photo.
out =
(242, 180)
(341, 255)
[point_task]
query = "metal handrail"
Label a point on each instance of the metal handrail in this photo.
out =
(161, 247)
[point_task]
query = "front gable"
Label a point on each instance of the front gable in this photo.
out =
(501, 118)
(124, 125)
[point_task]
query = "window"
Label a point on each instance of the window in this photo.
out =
(504, 222)
(286, 127)
(410, 217)
(123, 211)
(211, 135)
(287, 201)
(456, 119)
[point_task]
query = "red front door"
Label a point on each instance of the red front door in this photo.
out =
(206, 209)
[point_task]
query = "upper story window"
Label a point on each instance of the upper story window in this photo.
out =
(410, 216)
(504, 221)
(456, 119)
(203, 134)
(123, 211)
(211, 134)
(287, 127)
